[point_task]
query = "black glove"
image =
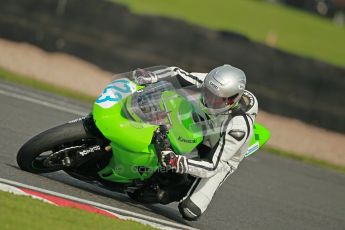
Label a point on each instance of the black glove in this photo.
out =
(144, 77)
(176, 162)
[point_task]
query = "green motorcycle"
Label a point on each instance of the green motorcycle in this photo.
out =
(119, 144)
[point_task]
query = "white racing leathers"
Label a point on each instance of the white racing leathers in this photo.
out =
(225, 144)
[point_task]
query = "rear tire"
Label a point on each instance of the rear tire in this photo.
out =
(50, 140)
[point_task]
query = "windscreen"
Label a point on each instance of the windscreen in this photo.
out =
(149, 104)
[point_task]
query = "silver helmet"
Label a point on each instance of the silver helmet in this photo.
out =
(222, 89)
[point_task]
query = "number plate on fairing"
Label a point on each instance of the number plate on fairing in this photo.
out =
(115, 92)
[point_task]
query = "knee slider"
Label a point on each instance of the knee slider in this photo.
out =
(189, 210)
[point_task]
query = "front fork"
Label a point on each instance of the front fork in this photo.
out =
(93, 147)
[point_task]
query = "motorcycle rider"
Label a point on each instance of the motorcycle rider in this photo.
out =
(229, 110)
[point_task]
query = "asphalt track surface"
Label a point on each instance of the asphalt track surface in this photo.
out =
(266, 192)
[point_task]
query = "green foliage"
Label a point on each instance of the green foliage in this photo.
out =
(19, 212)
(282, 27)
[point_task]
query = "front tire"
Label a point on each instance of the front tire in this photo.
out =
(32, 156)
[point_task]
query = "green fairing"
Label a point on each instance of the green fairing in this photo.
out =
(130, 142)
(259, 138)
(134, 156)
(184, 135)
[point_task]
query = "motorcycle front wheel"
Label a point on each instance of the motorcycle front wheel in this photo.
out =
(47, 151)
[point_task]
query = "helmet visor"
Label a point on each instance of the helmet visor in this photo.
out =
(213, 101)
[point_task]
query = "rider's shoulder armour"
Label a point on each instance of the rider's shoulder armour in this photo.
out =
(249, 103)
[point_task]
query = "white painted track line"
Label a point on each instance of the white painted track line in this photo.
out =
(41, 102)
(99, 205)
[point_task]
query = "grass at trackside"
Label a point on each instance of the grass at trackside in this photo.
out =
(295, 31)
(29, 81)
(25, 80)
(20, 212)
(306, 159)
